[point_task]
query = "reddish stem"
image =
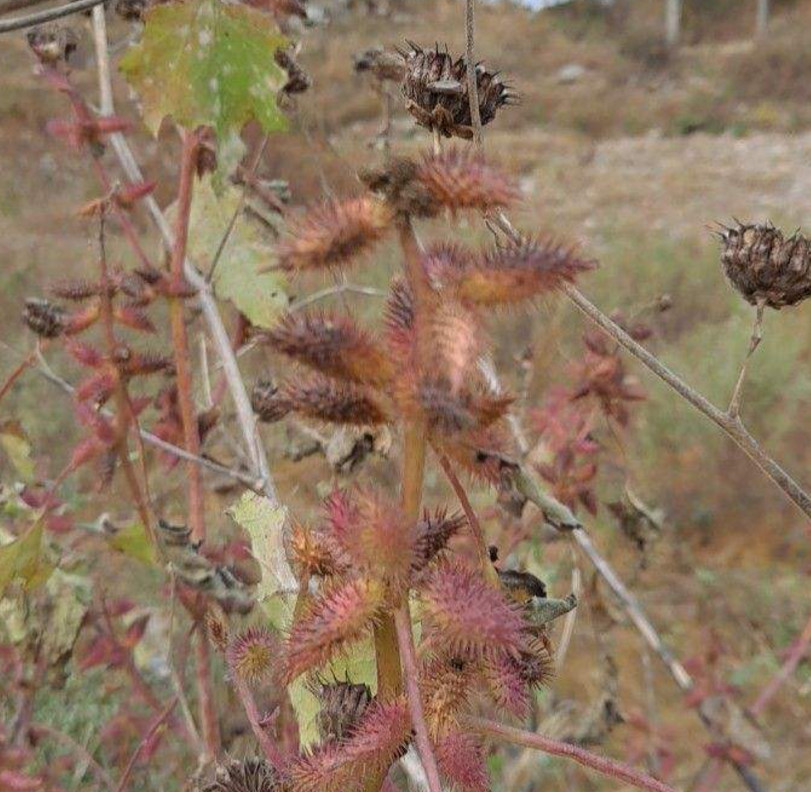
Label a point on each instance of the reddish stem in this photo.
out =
(272, 753)
(191, 437)
(150, 733)
(602, 764)
(795, 655)
(475, 526)
(405, 640)
(17, 373)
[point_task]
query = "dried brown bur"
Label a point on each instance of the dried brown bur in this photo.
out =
(764, 266)
(436, 91)
(52, 43)
(342, 706)
(44, 318)
(248, 775)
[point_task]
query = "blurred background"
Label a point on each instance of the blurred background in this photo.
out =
(642, 125)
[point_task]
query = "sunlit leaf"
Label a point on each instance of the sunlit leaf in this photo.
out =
(261, 297)
(133, 541)
(206, 62)
(14, 443)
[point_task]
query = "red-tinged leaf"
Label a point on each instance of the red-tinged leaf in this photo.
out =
(59, 523)
(102, 652)
(57, 81)
(135, 632)
(119, 607)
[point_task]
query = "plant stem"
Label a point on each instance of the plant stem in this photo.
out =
(17, 373)
(191, 437)
(475, 526)
(731, 425)
(272, 753)
(150, 733)
(602, 764)
(472, 82)
(405, 640)
(795, 655)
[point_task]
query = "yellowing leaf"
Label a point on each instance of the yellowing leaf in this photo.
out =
(207, 62)
(22, 559)
(264, 523)
(261, 297)
(17, 448)
(134, 542)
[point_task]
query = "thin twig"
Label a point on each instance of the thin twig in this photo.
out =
(731, 425)
(734, 408)
(272, 753)
(472, 81)
(40, 17)
(331, 291)
(475, 526)
(795, 655)
(260, 151)
(18, 372)
(150, 733)
(222, 342)
(405, 640)
(255, 484)
(602, 764)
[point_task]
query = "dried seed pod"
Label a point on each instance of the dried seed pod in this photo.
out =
(342, 706)
(436, 91)
(298, 81)
(52, 43)
(331, 401)
(268, 403)
(522, 586)
(333, 235)
(131, 10)
(44, 318)
(383, 66)
(248, 775)
(332, 344)
(764, 266)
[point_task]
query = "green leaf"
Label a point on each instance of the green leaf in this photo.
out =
(134, 542)
(264, 522)
(22, 559)
(17, 448)
(207, 62)
(261, 297)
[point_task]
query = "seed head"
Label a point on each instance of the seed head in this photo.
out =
(340, 615)
(434, 532)
(252, 655)
(331, 344)
(44, 318)
(517, 272)
(461, 761)
(248, 775)
(333, 235)
(467, 615)
(328, 400)
(764, 266)
(436, 91)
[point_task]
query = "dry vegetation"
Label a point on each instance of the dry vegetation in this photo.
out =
(635, 159)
